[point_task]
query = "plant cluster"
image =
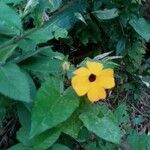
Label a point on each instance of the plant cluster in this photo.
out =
(55, 52)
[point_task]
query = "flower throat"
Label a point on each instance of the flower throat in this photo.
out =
(92, 78)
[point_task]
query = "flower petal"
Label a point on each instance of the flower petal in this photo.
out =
(96, 93)
(94, 67)
(82, 71)
(106, 82)
(107, 73)
(80, 84)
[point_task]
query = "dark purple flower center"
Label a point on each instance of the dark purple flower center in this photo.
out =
(92, 77)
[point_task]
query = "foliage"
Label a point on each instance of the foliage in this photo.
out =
(37, 37)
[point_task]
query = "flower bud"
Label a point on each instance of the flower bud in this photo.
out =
(66, 65)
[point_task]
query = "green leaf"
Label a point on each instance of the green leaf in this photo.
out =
(72, 125)
(31, 4)
(27, 45)
(84, 135)
(60, 147)
(146, 80)
(14, 83)
(43, 141)
(31, 85)
(138, 120)
(52, 107)
(23, 137)
(24, 116)
(10, 23)
(106, 112)
(6, 53)
(25, 120)
(20, 147)
(3, 39)
(46, 139)
(44, 65)
(80, 17)
(48, 52)
(92, 146)
(65, 21)
(106, 14)
(55, 4)
(142, 27)
(11, 1)
(121, 114)
(39, 9)
(120, 47)
(60, 33)
(139, 142)
(103, 127)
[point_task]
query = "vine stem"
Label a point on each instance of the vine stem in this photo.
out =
(54, 14)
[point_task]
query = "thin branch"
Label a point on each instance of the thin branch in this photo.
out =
(141, 113)
(27, 55)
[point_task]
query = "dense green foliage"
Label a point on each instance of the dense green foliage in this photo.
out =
(39, 110)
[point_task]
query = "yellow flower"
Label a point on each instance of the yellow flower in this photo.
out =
(93, 80)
